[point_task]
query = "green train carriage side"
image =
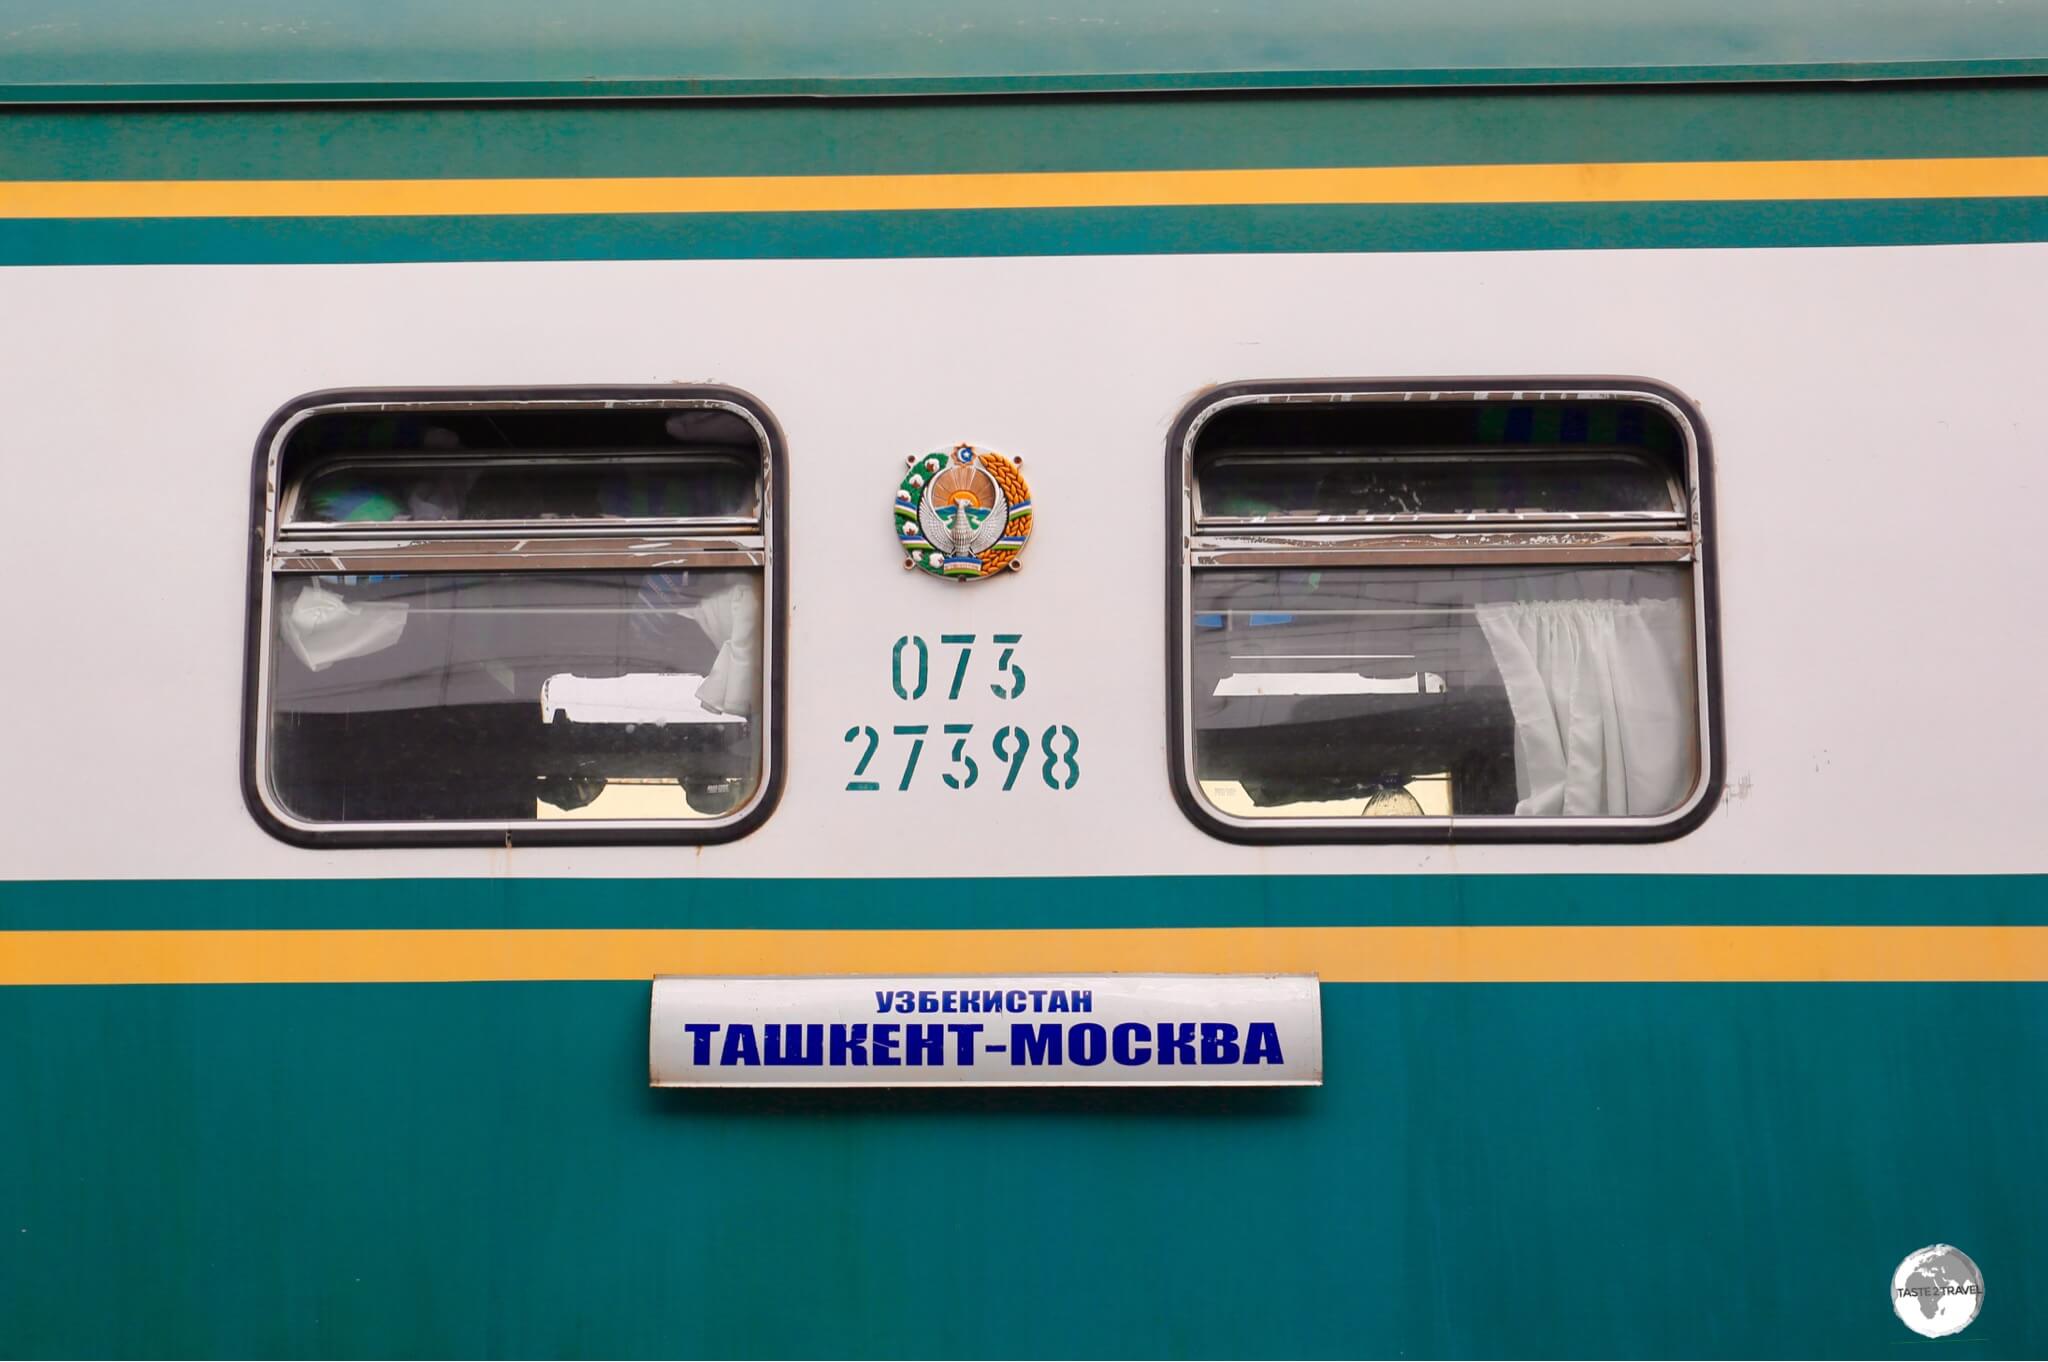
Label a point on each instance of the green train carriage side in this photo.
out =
(1497, 508)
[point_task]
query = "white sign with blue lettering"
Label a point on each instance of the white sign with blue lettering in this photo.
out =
(1033, 1030)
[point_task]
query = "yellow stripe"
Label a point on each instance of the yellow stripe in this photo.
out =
(1604, 182)
(1338, 954)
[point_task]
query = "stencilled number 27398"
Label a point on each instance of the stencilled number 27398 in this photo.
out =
(1007, 747)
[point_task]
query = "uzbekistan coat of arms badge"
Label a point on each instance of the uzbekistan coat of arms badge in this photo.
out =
(963, 514)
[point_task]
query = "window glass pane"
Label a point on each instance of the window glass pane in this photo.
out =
(516, 695)
(593, 488)
(1444, 691)
(1307, 486)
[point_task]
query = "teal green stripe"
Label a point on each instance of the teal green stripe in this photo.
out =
(1500, 1171)
(1144, 83)
(1050, 902)
(1050, 232)
(916, 137)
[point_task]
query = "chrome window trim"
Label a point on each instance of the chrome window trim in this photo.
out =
(461, 553)
(1571, 544)
(1188, 544)
(530, 831)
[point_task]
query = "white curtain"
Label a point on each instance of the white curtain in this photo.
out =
(731, 619)
(1602, 693)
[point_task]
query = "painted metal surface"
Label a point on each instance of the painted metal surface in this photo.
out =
(359, 1172)
(985, 1031)
(941, 137)
(1692, 1099)
(1381, 172)
(289, 49)
(1751, 336)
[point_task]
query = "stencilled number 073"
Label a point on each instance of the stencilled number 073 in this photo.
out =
(911, 667)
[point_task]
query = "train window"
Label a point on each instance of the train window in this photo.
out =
(1436, 614)
(488, 617)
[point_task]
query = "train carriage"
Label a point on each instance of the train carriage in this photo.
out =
(1474, 521)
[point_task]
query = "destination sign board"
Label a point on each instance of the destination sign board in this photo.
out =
(1030, 1030)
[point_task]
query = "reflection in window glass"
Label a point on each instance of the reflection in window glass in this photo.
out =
(672, 487)
(519, 695)
(1266, 486)
(1362, 692)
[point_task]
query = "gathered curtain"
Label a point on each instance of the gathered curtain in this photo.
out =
(1603, 698)
(731, 619)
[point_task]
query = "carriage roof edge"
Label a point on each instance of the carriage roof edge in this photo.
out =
(123, 51)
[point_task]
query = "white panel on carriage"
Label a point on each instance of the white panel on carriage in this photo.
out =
(1865, 403)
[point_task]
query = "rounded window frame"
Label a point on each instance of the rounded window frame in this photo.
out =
(1465, 829)
(266, 493)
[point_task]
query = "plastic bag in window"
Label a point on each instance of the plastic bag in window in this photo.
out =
(323, 629)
